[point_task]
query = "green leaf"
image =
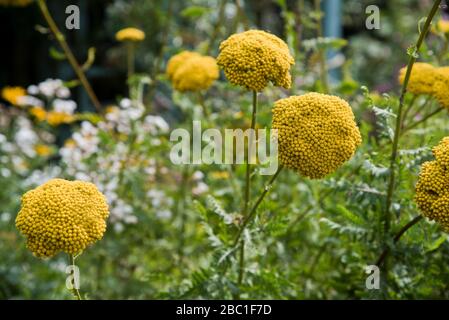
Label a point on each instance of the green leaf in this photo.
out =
(56, 54)
(194, 12)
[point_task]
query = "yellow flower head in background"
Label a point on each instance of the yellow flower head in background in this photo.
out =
(177, 60)
(38, 112)
(62, 215)
(422, 78)
(43, 150)
(195, 74)
(15, 3)
(441, 26)
(316, 133)
(254, 58)
(130, 34)
(432, 188)
(55, 118)
(13, 94)
(441, 87)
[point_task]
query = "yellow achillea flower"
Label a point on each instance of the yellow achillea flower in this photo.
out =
(432, 188)
(195, 74)
(253, 58)
(57, 118)
(43, 150)
(441, 86)
(130, 34)
(441, 26)
(316, 133)
(38, 112)
(13, 94)
(177, 60)
(62, 215)
(15, 3)
(422, 78)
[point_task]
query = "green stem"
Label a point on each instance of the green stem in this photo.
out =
(394, 151)
(75, 290)
(253, 211)
(130, 58)
(247, 185)
(69, 54)
(202, 104)
(396, 238)
(321, 52)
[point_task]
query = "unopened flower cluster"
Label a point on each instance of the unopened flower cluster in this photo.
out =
(190, 71)
(432, 188)
(428, 80)
(130, 34)
(62, 215)
(254, 58)
(316, 133)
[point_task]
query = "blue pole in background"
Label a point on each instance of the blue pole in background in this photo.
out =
(332, 28)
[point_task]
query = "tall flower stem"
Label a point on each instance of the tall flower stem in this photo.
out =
(75, 290)
(321, 51)
(424, 119)
(397, 133)
(247, 186)
(130, 48)
(68, 53)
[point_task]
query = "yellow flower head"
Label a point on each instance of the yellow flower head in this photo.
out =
(253, 58)
(43, 150)
(55, 118)
(421, 79)
(441, 87)
(38, 112)
(195, 73)
(316, 133)
(432, 188)
(62, 215)
(441, 26)
(15, 3)
(177, 60)
(13, 94)
(130, 34)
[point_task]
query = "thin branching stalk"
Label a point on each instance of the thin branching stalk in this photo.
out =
(407, 110)
(396, 238)
(259, 200)
(424, 119)
(397, 133)
(69, 54)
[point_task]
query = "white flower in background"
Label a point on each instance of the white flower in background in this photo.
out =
(126, 103)
(38, 177)
(200, 188)
(25, 137)
(33, 90)
(63, 92)
(64, 106)
(155, 125)
(29, 101)
(49, 87)
(164, 214)
(87, 139)
(197, 175)
(5, 172)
